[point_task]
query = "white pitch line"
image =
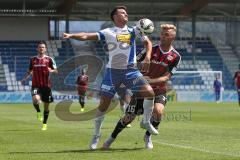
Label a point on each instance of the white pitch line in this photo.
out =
(196, 149)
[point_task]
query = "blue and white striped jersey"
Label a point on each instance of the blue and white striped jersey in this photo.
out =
(120, 45)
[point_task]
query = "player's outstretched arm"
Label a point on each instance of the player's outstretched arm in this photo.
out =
(52, 70)
(146, 62)
(82, 36)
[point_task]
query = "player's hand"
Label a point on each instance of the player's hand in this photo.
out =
(150, 80)
(66, 35)
(147, 78)
(50, 70)
(145, 65)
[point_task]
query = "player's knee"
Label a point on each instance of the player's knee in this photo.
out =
(159, 111)
(104, 103)
(102, 108)
(158, 107)
(148, 91)
(36, 101)
(158, 115)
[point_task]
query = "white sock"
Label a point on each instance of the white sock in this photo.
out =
(98, 122)
(124, 107)
(148, 109)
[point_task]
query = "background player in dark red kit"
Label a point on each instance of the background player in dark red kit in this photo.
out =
(40, 68)
(164, 62)
(82, 85)
(237, 83)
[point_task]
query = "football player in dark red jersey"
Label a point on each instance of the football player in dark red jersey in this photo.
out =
(40, 68)
(82, 85)
(237, 83)
(164, 62)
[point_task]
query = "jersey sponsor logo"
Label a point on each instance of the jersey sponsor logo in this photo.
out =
(161, 63)
(40, 65)
(125, 38)
(110, 46)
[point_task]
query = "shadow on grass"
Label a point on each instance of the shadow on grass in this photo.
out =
(83, 151)
(16, 130)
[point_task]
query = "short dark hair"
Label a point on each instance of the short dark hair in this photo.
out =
(42, 42)
(115, 10)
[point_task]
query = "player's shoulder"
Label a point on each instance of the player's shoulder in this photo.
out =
(107, 30)
(46, 56)
(131, 28)
(33, 57)
(49, 58)
(155, 46)
(176, 52)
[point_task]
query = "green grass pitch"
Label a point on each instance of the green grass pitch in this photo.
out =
(189, 131)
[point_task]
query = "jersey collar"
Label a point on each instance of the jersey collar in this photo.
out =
(41, 57)
(118, 28)
(164, 51)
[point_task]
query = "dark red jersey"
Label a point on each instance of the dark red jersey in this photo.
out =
(82, 84)
(237, 78)
(161, 63)
(40, 72)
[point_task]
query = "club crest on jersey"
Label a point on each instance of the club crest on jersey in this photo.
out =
(169, 57)
(125, 38)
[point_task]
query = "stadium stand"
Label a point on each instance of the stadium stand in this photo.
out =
(207, 58)
(15, 60)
